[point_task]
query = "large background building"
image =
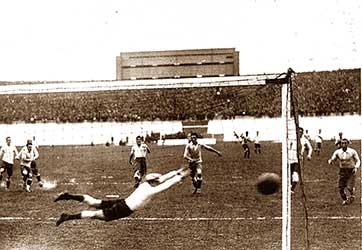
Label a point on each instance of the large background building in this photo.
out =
(177, 64)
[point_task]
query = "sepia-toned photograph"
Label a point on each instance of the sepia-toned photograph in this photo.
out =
(204, 124)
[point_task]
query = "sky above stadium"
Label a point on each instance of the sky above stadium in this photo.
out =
(80, 39)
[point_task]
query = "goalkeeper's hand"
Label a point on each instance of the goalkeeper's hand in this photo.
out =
(354, 170)
(330, 162)
(183, 172)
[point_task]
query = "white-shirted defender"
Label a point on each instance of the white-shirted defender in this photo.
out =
(8, 153)
(349, 163)
(192, 154)
(137, 158)
(108, 210)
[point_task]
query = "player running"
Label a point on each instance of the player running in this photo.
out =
(192, 154)
(349, 163)
(137, 158)
(8, 153)
(108, 210)
(28, 156)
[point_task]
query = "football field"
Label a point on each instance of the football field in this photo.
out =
(229, 214)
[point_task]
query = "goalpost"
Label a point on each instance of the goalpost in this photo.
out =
(291, 136)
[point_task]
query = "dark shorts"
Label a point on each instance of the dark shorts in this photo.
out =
(195, 168)
(294, 167)
(245, 147)
(319, 145)
(141, 165)
(8, 167)
(257, 145)
(346, 178)
(34, 168)
(115, 209)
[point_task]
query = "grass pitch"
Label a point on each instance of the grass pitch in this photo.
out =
(229, 214)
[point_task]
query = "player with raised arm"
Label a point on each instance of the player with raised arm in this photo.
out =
(137, 158)
(108, 210)
(192, 154)
(349, 162)
(244, 141)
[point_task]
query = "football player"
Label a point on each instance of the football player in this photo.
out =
(349, 163)
(8, 153)
(293, 157)
(192, 154)
(108, 210)
(137, 158)
(28, 154)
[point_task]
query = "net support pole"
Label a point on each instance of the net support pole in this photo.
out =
(286, 191)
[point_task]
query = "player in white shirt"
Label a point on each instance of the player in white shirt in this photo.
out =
(108, 210)
(293, 157)
(318, 142)
(8, 153)
(137, 158)
(28, 154)
(192, 154)
(257, 146)
(349, 162)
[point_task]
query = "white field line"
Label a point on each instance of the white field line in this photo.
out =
(195, 218)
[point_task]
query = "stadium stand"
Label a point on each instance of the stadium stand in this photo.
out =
(318, 93)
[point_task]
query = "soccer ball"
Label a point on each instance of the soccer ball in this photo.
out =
(268, 183)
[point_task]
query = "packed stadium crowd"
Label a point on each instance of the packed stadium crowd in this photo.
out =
(317, 93)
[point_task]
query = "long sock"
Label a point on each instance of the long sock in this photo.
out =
(194, 183)
(75, 216)
(7, 183)
(343, 194)
(351, 191)
(38, 178)
(76, 197)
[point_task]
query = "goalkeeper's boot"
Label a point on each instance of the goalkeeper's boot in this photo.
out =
(63, 217)
(344, 202)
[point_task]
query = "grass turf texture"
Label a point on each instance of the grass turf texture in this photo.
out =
(229, 214)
